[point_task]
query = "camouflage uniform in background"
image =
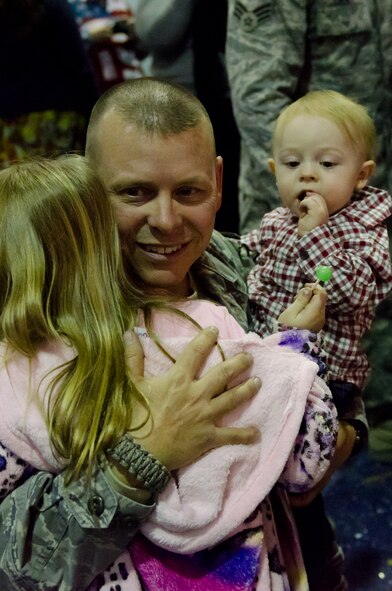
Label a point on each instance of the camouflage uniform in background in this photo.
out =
(277, 50)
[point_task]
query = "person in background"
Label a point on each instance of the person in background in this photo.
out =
(47, 86)
(323, 157)
(186, 44)
(107, 30)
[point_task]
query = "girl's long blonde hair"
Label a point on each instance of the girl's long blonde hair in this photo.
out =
(61, 278)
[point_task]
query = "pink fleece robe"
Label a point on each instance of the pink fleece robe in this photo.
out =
(209, 502)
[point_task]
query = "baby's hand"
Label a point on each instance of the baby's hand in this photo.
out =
(312, 212)
(307, 310)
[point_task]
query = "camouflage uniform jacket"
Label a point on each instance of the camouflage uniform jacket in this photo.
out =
(276, 51)
(54, 537)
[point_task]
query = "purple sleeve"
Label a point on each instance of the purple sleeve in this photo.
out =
(13, 471)
(315, 443)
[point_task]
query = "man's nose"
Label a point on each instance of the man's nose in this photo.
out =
(164, 215)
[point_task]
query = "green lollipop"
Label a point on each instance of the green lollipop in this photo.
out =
(323, 273)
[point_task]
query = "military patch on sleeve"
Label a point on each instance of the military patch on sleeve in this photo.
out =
(249, 17)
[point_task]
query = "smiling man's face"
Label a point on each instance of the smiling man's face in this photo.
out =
(165, 193)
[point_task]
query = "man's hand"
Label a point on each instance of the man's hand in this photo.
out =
(185, 411)
(307, 310)
(344, 447)
(312, 212)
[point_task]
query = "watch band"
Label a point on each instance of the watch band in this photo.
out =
(140, 463)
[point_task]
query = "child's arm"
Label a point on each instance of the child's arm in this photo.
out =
(361, 273)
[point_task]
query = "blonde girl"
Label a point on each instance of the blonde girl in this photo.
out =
(64, 282)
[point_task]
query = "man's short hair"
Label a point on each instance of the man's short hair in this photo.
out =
(152, 105)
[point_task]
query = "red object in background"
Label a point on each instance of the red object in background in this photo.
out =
(114, 62)
(118, 9)
(110, 42)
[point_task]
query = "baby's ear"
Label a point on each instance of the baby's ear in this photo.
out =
(271, 164)
(367, 170)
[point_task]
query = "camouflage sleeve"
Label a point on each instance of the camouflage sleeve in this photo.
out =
(265, 50)
(57, 537)
(221, 275)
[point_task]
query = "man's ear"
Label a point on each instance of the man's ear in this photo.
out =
(271, 164)
(367, 170)
(219, 181)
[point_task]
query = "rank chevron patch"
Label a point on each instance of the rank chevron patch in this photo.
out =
(249, 19)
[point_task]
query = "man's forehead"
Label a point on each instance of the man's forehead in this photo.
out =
(113, 120)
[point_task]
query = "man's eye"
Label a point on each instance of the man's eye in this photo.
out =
(186, 191)
(327, 164)
(136, 192)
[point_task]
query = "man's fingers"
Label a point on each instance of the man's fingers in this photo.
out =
(231, 399)
(134, 355)
(236, 436)
(216, 380)
(197, 350)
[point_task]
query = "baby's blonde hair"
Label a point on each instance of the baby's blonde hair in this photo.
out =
(61, 278)
(351, 117)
